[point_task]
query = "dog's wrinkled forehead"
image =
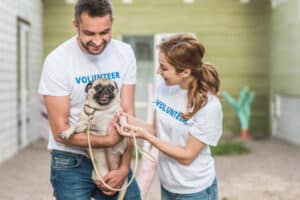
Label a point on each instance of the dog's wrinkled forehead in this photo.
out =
(103, 82)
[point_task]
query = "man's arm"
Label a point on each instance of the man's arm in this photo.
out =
(127, 104)
(58, 108)
(116, 178)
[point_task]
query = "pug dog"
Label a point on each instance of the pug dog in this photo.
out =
(102, 103)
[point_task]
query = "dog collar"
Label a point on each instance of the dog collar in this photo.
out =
(89, 110)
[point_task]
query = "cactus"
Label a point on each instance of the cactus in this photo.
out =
(241, 106)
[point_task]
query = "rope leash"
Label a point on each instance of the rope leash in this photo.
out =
(137, 148)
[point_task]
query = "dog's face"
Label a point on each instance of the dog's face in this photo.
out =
(102, 91)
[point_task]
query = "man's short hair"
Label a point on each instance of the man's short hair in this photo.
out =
(94, 8)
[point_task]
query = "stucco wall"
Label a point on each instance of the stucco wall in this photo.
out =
(285, 59)
(236, 37)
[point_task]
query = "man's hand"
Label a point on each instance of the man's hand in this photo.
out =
(114, 179)
(112, 133)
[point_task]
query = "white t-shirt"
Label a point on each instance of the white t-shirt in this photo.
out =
(67, 70)
(205, 125)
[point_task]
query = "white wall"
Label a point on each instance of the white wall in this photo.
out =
(285, 118)
(9, 11)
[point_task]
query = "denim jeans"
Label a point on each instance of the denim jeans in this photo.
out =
(210, 193)
(71, 179)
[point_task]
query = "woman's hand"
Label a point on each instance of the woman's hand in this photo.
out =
(129, 130)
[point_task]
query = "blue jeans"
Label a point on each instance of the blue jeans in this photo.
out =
(210, 193)
(71, 179)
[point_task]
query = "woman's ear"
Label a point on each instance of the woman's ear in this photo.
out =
(186, 72)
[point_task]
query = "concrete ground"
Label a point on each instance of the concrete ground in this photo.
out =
(270, 172)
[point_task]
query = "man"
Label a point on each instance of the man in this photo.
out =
(91, 54)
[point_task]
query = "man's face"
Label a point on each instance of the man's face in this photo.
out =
(94, 33)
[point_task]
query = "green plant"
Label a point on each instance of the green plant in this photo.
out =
(230, 148)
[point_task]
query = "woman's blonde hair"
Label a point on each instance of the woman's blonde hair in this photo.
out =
(184, 51)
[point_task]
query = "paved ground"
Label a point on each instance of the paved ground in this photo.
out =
(270, 172)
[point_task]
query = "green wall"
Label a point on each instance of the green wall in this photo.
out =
(285, 59)
(236, 37)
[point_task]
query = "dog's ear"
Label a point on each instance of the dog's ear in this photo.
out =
(88, 86)
(116, 86)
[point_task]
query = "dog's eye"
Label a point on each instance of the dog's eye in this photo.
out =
(111, 88)
(97, 87)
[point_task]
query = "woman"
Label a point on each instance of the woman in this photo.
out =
(188, 120)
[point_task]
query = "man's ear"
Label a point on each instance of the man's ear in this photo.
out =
(75, 25)
(112, 19)
(88, 86)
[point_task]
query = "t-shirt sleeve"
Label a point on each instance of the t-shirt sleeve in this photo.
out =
(130, 76)
(54, 77)
(206, 124)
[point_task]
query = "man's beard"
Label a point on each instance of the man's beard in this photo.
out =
(91, 44)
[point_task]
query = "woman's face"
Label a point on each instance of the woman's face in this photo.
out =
(168, 72)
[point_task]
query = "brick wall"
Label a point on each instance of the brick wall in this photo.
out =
(30, 11)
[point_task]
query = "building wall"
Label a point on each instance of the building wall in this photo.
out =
(235, 35)
(285, 71)
(9, 11)
(285, 59)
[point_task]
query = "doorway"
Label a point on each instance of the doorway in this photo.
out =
(146, 52)
(142, 46)
(23, 97)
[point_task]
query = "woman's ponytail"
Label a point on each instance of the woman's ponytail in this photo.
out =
(184, 51)
(206, 80)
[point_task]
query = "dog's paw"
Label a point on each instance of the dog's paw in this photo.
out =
(66, 134)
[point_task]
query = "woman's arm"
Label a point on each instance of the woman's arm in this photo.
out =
(184, 155)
